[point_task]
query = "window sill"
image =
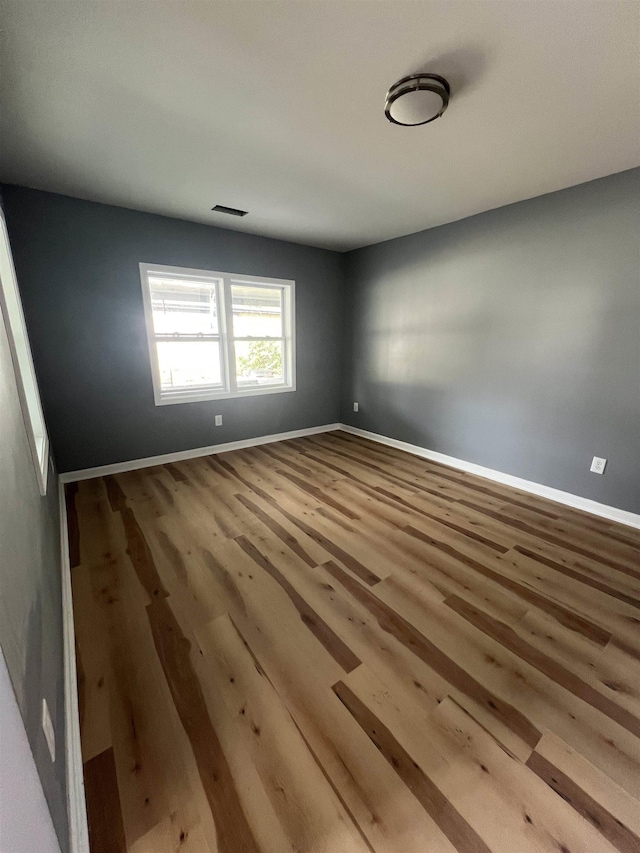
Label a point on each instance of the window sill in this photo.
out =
(173, 399)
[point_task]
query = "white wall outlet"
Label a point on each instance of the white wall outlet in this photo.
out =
(598, 464)
(218, 420)
(47, 728)
(355, 407)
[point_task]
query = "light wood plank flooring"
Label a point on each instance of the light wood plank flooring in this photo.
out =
(329, 645)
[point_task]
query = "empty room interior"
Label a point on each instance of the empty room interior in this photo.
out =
(319, 426)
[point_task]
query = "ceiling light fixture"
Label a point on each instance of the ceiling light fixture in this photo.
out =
(417, 99)
(232, 211)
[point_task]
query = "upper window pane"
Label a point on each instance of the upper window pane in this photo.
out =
(182, 307)
(257, 311)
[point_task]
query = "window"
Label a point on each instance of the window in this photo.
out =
(11, 307)
(214, 334)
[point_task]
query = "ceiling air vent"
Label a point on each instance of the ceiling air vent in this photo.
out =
(232, 211)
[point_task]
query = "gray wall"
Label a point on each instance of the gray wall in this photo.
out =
(510, 339)
(30, 596)
(28, 828)
(77, 263)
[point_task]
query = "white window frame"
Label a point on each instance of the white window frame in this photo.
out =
(230, 387)
(25, 374)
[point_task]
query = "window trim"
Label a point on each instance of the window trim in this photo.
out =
(24, 371)
(225, 330)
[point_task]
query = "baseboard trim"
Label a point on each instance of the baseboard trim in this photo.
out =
(149, 461)
(76, 806)
(611, 513)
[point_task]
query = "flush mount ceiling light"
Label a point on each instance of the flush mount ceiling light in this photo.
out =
(417, 99)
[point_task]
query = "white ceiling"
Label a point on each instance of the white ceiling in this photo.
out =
(277, 107)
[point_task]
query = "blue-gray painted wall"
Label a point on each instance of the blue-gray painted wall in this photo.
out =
(77, 264)
(510, 339)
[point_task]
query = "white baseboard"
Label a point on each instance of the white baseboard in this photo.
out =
(149, 461)
(76, 807)
(611, 513)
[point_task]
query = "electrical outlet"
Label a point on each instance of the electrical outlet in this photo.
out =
(598, 465)
(218, 420)
(47, 728)
(355, 407)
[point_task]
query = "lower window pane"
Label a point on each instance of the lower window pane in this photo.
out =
(259, 363)
(189, 364)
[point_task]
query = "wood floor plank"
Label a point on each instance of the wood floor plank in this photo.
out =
(619, 618)
(555, 552)
(106, 833)
(141, 557)
(546, 664)
(550, 705)
(568, 543)
(311, 815)
(454, 577)
(605, 669)
(580, 576)
(276, 527)
(387, 813)
(327, 645)
(601, 543)
(563, 615)
(180, 830)
(592, 782)
(296, 518)
(622, 838)
(136, 715)
(336, 647)
(494, 794)
(403, 631)
(452, 825)
(93, 665)
(233, 832)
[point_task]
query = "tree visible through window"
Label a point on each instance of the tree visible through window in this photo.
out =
(263, 359)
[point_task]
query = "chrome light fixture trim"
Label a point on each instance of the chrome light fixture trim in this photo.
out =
(417, 83)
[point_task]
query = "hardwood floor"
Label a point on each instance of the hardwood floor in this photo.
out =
(329, 645)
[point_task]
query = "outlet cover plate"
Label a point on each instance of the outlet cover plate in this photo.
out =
(355, 407)
(218, 420)
(598, 465)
